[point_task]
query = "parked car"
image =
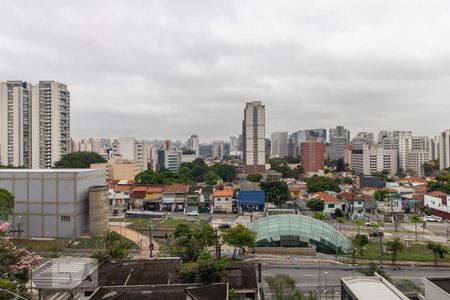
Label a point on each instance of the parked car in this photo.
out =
(370, 223)
(224, 226)
(192, 213)
(438, 219)
(377, 233)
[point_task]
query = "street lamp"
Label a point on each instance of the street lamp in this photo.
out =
(326, 284)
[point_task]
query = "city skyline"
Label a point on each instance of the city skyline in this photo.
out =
(166, 70)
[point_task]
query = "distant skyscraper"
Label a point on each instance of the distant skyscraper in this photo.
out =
(193, 143)
(131, 149)
(402, 143)
(385, 135)
(415, 160)
(254, 132)
(339, 137)
(35, 123)
(368, 160)
(363, 138)
(312, 156)
(279, 143)
(234, 144)
(218, 150)
(301, 136)
(444, 149)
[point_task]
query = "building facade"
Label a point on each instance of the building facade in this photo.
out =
(52, 203)
(34, 122)
(193, 143)
(339, 137)
(415, 161)
(218, 150)
(312, 156)
(368, 160)
(254, 132)
(444, 149)
(279, 144)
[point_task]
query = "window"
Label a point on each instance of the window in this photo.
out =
(330, 205)
(65, 218)
(227, 199)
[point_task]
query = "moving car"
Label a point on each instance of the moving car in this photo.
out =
(370, 223)
(377, 233)
(224, 226)
(192, 213)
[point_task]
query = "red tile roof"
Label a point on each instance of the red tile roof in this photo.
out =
(226, 192)
(437, 194)
(327, 197)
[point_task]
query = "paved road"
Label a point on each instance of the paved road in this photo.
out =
(308, 275)
(142, 240)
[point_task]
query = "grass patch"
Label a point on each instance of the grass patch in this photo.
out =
(53, 245)
(416, 252)
(142, 225)
(96, 242)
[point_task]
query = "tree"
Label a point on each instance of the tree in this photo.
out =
(380, 195)
(114, 247)
(340, 221)
(361, 240)
(358, 223)
(439, 251)
(395, 247)
(321, 184)
(299, 171)
(185, 172)
(163, 176)
(415, 218)
(79, 160)
(211, 178)
(189, 243)
(315, 204)
(240, 237)
(6, 204)
(283, 287)
(256, 177)
(277, 191)
(205, 270)
(319, 216)
(281, 165)
(338, 213)
(431, 167)
(224, 171)
(348, 180)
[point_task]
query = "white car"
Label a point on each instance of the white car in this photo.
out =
(192, 213)
(370, 223)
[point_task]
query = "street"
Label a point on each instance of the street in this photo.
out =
(307, 275)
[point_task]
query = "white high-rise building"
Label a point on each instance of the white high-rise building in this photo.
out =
(279, 143)
(131, 149)
(218, 149)
(254, 137)
(444, 149)
(35, 123)
(403, 143)
(416, 159)
(193, 143)
(368, 160)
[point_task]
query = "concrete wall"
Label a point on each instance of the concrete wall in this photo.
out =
(51, 203)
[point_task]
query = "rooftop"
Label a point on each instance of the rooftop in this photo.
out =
(216, 291)
(326, 197)
(372, 288)
(47, 170)
(442, 283)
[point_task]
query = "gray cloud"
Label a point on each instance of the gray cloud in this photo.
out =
(165, 69)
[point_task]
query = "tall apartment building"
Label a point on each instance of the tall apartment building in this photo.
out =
(218, 150)
(368, 160)
(416, 159)
(234, 144)
(339, 137)
(385, 135)
(170, 159)
(279, 144)
(254, 142)
(363, 138)
(402, 142)
(444, 149)
(35, 123)
(131, 149)
(312, 156)
(193, 143)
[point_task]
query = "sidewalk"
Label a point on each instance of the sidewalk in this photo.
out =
(142, 240)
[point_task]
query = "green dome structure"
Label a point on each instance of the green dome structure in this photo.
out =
(289, 230)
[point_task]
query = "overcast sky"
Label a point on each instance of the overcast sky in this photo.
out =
(166, 69)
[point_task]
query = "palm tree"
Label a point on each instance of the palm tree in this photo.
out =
(395, 247)
(340, 221)
(439, 251)
(415, 218)
(358, 223)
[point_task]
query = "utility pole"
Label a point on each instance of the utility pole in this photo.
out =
(218, 246)
(150, 245)
(381, 252)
